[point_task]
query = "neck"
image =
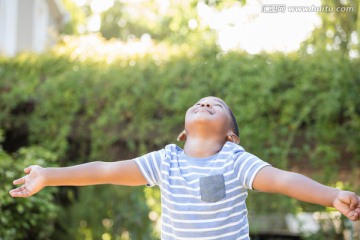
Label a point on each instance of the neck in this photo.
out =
(200, 147)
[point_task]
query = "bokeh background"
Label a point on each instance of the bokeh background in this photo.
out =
(109, 80)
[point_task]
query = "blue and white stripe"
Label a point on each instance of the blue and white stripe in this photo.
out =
(184, 214)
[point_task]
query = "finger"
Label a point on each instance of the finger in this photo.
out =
(19, 189)
(353, 202)
(344, 208)
(19, 192)
(19, 181)
(14, 192)
(28, 169)
(354, 217)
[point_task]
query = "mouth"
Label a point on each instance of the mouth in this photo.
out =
(204, 110)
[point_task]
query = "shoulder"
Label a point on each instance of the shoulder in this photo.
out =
(171, 150)
(240, 154)
(172, 147)
(233, 148)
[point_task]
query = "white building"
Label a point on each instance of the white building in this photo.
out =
(30, 25)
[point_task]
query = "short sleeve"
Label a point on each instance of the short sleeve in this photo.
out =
(149, 165)
(247, 166)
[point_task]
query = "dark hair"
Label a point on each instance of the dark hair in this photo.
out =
(234, 123)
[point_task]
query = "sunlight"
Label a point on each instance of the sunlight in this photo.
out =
(94, 46)
(251, 27)
(254, 30)
(94, 23)
(80, 3)
(99, 6)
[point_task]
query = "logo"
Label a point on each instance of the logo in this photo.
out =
(273, 8)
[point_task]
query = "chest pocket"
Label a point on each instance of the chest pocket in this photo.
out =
(212, 188)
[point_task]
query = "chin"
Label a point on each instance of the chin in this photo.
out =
(204, 119)
(204, 122)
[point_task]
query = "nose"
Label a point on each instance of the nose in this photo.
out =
(205, 105)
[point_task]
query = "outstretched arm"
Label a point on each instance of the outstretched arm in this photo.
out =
(273, 180)
(121, 173)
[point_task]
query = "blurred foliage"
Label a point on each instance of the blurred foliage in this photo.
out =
(125, 21)
(297, 111)
(339, 30)
(117, 212)
(25, 218)
(77, 18)
(172, 21)
(179, 21)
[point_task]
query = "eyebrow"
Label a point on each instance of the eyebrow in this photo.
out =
(221, 103)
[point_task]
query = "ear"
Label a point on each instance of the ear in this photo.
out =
(182, 136)
(232, 137)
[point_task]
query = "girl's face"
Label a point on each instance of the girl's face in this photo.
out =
(212, 112)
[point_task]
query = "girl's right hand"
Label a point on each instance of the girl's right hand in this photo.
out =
(32, 183)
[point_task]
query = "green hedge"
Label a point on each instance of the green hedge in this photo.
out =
(295, 111)
(31, 218)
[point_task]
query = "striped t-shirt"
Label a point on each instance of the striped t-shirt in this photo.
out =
(202, 198)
